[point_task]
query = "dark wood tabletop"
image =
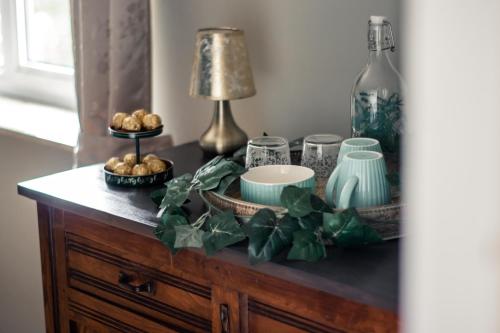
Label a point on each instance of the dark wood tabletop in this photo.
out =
(368, 275)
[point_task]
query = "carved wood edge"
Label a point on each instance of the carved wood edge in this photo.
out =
(228, 314)
(49, 276)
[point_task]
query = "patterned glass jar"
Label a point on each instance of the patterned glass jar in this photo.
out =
(320, 153)
(267, 150)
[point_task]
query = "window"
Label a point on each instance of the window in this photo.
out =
(36, 56)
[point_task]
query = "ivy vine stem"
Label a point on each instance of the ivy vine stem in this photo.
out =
(201, 220)
(282, 213)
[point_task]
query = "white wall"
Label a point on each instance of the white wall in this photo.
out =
(21, 296)
(305, 56)
(451, 262)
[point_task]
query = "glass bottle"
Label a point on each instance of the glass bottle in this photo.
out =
(376, 99)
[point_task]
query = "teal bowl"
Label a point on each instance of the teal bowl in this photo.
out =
(264, 184)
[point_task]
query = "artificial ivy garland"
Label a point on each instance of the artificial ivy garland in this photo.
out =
(304, 227)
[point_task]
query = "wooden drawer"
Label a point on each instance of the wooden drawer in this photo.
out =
(90, 315)
(163, 298)
(263, 318)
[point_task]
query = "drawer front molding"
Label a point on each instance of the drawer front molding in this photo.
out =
(102, 318)
(287, 318)
(110, 314)
(188, 286)
(138, 299)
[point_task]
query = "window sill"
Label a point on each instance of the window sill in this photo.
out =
(44, 123)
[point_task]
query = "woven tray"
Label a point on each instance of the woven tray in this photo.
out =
(385, 219)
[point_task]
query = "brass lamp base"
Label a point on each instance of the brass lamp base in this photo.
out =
(223, 136)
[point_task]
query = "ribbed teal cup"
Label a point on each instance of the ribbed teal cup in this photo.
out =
(264, 184)
(358, 144)
(359, 181)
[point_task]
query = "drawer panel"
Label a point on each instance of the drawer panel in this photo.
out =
(93, 315)
(264, 318)
(106, 275)
(262, 324)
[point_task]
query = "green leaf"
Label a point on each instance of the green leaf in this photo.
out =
(157, 196)
(176, 211)
(311, 221)
(268, 236)
(226, 182)
(165, 231)
(319, 205)
(177, 192)
(211, 177)
(379, 119)
(200, 221)
(242, 151)
(296, 200)
(222, 230)
(347, 230)
(357, 235)
(334, 222)
(307, 246)
(314, 219)
(207, 165)
(239, 156)
(181, 180)
(187, 236)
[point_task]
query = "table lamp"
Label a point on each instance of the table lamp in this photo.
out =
(221, 72)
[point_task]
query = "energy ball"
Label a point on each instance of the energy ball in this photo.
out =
(141, 170)
(111, 163)
(122, 169)
(156, 166)
(117, 120)
(139, 114)
(151, 121)
(130, 159)
(149, 157)
(131, 124)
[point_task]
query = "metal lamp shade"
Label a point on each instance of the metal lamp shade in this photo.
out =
(221, 68)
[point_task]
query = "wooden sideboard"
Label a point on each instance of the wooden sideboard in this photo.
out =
(104, 270)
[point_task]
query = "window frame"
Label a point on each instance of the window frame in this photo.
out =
(22, 79)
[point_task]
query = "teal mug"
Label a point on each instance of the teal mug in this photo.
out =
(359, 181)
(357, 144)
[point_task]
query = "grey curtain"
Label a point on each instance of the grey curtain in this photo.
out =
(112, 51)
